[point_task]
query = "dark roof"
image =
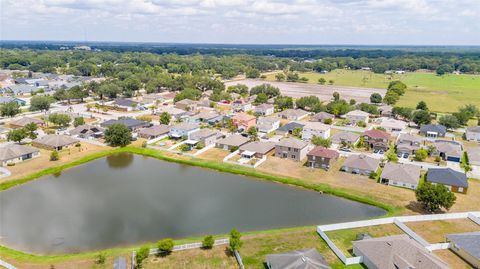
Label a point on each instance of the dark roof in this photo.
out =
(125, 102)
(290, 126)
(298, 259)
(469, 242)
(447, 176)
(377, 134)
(436, 128)
(324, 152)
(129, 122)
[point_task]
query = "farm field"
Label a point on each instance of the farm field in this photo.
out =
(442, 93)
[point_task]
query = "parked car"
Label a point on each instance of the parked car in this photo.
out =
(345, 149)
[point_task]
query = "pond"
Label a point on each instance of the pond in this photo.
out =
(127, 199)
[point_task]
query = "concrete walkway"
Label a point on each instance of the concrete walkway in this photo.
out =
(4, 172)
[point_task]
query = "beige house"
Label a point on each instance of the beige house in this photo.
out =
(356, 116)
(291, 148)
(55, 142)
(401, 175)
(14, 153)
(360, 164)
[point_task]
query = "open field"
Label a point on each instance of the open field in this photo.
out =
(324, 92)
(442, 93)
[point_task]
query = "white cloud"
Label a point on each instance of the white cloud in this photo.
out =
(245, 21)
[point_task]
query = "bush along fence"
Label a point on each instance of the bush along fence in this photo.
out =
(399, 221)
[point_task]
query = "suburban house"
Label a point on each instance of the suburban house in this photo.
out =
(320, 157)
(256, 149)
(473, 155)
(14, 153)
(154, 131)
(122, 104)
(87, 131)
(19, 89)
(291, 148)
(4, 132)
(241, 105)
(264, 109)
(393, 125)
(54, 142)
(473, 133)
(293, 114)
(206, 136)
(455, 181)
(433, 130)
(297, 259)
(244, 121)
(467, 246)
(322, 116)
(22, 122)
(360, 164)
(8, 99)
(132, 124)
(267, 124)
(289, 128)
(186, 104)
(356, 116)
(318, 129)
(183, 130)
(345, 139)
(209, 117)
(168, 96)
(151, 99)
(395, 252)
(231, 142)
(175, 113)
(385, 110)
(408, 143)
(448, 150)
(376, 139)
(401, 175)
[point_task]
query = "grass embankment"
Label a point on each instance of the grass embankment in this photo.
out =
(222, 167)
(442, 93)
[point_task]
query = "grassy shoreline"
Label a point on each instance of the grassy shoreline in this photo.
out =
(221, 167)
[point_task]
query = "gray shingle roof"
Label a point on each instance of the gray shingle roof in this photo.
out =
(362, 162)
(155, 130)
(56, 140)
(407, 173)
(436, 128)
(298, 259)
(233, 140)
(290, 126)
(447, 176)
(128, 122)
(348, 137)
(259, 147)
(13, 151)
(469, 242)
(292, 143)
(398, 251)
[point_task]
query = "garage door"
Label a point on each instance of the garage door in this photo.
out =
(453, 159)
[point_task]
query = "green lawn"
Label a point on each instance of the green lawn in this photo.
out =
(442, 93)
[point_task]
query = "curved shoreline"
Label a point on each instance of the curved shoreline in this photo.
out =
(221, 167)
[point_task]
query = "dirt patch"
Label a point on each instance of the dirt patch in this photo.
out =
(435, 231)
(452, 259)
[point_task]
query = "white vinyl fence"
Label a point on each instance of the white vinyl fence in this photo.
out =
(7, 265)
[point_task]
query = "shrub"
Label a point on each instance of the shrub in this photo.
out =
(233, 149)
(361, 124)
(100, 259)
(78, 145)
(235, 242)
(54, 156)
(327, 121)
(165, 245)
(208, 242)
(373, 175)
(435, 197)
(184, 147)
(420, 155)
(142, 254)
(144, 144)
(200, 146)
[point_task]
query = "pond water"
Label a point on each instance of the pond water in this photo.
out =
(127, 199)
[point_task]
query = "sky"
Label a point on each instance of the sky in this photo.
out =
(360, 22)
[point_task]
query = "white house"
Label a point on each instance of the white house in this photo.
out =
(183, 130)
(264, 109)
(356, 116)
(318, 129)
(473, 133)
(392, 125)
(267, 124)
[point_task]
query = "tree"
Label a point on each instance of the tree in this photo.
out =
(422, 106)
(40, 103)
(420, 154)
(165, 118)
(30, 130)
(391, 156)
(261, 98)
(284, 102)
(54, 156)
(142, 254)
(267, 89)
(435, 197)
(322, 81)
(421, 117)
(320, 141)
(165, 245)
(391, 98)
(118, 135)
(62, 120)
(397, 87)
(308, 102)
(297, 132)
(9, 109)
(100, 259)
(449, 121)
(338, 108)
(369, 108)
(331, 81)
(404, 112)
(235, 240)
(208, 242)
(253, 133)
(184, 147)
(252, 73)
(78, 121)
(376, 98)
(444, 69)
(336, 96)
(279, 76)
(16, 135)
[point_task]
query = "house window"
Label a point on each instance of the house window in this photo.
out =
(293, 156)
(295, 150)
(460, 189)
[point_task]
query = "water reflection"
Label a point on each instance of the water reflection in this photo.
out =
(120, 160)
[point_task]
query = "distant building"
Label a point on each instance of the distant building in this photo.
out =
(376, 139)
(154, 131)
(345, 138)
(55, 142)
(317, 129)
(265, 109)
(244, 121)
(293, 114)
(132, 124)
(357, 116)
(87, 131)
(183, 130)
(231, 142)
(267, 124)
(473, 133)
(433, 130)
(186, 104)
(22, 122)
